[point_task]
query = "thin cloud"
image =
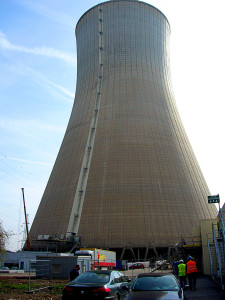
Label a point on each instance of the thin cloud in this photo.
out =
(29, 130)
(41, 51)
(61, 88)
(21, 125)
(51, 85)
(50, 13)
(27, 161)
(24, 70)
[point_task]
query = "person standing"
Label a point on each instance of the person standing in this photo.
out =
(191, 273)
(74, 272)
(182, 273)
(175, 268)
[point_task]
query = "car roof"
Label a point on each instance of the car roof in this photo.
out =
(154, 274)
(100, 271)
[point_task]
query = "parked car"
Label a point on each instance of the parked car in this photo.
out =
(154, 286)
(4, 268)
(98, 284)
(137, 266)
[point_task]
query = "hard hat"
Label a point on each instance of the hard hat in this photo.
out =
(189, 257)
(181, 261)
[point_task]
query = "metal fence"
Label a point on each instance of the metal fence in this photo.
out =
(39, 269)
(60, 267)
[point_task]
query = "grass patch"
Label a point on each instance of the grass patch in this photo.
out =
(57, 289)
(7, 287)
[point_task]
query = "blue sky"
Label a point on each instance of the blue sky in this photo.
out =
(38, 81)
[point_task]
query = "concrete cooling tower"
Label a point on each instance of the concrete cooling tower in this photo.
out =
(125, 175)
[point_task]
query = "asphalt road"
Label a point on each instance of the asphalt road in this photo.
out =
(206, 289)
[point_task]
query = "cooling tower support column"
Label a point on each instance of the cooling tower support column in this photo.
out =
(83, 177)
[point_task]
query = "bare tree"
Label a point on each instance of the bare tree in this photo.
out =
(4, 235)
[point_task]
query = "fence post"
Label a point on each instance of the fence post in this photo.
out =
(29, 278)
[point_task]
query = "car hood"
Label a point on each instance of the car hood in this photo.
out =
(147, 295)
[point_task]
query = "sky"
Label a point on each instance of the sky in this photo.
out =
(38, 82)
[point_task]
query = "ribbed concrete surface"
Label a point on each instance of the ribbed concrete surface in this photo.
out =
(145, 187)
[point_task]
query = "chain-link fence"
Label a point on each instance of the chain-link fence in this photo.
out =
(46, 270)
(39, 269)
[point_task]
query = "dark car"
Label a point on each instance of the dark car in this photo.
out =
(97, 285)
(154, 286)
(137, 266)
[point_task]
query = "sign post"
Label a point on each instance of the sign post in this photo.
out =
(214, 199)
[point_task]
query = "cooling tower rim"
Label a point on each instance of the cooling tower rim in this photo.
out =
(105, 2)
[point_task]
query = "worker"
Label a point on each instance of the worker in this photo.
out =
(182, 273)
(175, 268)
(74, 272)
(191, 273)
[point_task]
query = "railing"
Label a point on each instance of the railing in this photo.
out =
(210, 257)
(222, 237)
(222, 225)
(222, 234)
(220, 277)
(194, 241)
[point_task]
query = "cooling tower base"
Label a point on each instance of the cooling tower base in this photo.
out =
(144, 253)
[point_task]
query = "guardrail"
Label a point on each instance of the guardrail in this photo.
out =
(194, 241)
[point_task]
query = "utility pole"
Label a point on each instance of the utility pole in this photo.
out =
(28, 239)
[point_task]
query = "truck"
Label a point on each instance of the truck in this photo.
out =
(93, 258)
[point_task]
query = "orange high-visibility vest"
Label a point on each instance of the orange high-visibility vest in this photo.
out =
(191, 267)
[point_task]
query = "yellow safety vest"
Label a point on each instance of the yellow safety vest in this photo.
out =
(181, 270)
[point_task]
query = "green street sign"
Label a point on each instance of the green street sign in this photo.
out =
(214, 199)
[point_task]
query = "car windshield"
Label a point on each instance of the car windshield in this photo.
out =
(92, 277)
(155, 283)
